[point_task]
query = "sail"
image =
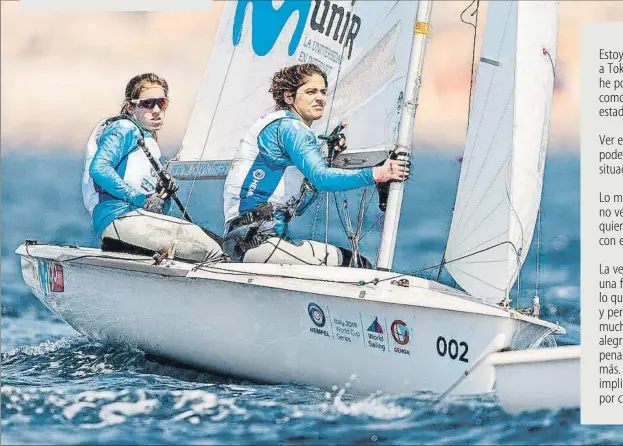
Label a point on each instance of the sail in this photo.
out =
(500, 184)
(363, 44)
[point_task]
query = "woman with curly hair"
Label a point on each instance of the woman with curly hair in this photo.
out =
(277, 171)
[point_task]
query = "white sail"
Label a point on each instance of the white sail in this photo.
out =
(364, 43)
(501, 178)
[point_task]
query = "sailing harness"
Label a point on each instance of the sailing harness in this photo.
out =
(164, 180)
(266, 212)
(294, 207)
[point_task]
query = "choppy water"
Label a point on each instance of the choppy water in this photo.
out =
(58, 387)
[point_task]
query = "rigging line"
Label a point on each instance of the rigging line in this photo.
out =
(361, 213)
(82, 256)
(339, 70)
(337, 79)
(319, 200)
(538, 251)
(482, 262)
(371, 198)
(280, 276)
(218, 100)
(281, 237)
(375, 188)
(487, 96)
(469, 101)
(196, 176)
(376, 222)
(471, 78)
(360, 283)
(351, 236)
(365, 211)
(518, 253)
(292, 255)
(375, 281)
(326, 220)
(337, 208)
(194, 180)
(354, 236)
(346, 214)
(490, 239)
(518, 289)
(360, 219)
(539, 213)
(550, 61)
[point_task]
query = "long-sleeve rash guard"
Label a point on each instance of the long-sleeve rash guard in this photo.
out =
(121, 172)
(275, 157)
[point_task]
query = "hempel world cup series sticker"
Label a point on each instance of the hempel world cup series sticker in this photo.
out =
(369, 330)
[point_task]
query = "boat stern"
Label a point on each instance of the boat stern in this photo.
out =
(43, 276)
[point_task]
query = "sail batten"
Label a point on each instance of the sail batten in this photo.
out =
(500, 185)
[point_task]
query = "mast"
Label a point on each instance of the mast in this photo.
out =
(405, 132)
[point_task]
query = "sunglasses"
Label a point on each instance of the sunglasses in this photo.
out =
(150, 103)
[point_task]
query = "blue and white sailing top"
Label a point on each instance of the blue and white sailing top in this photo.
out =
(117, 176)
(278, 152)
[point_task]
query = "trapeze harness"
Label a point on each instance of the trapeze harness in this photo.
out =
(252, 166)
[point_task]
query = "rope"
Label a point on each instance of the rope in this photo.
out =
(538, 252)
(538, 233)
(546, 53)
(326, 131)
(475, 26)
(218, 100)
(469, 101)
(203, 267)
(194, 180)
(375, 281)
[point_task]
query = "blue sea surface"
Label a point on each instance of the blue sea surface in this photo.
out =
(58, 387)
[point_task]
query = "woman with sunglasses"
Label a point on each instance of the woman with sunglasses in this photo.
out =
(123, 192)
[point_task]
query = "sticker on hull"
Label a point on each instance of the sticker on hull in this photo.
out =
(401, 336)
(51, 276)
(346, 330)
(319, 320)
(372, 330)
(375, 336)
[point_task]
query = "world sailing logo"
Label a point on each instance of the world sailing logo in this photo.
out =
(268, 22)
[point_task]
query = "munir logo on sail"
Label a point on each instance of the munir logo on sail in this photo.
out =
(267, 23)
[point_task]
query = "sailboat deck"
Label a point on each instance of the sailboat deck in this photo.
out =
(352, 283)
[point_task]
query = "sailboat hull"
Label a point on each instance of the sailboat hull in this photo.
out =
(281, 323)
(538, 379)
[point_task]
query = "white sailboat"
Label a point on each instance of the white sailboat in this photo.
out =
(319, 325)
(537, 378)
